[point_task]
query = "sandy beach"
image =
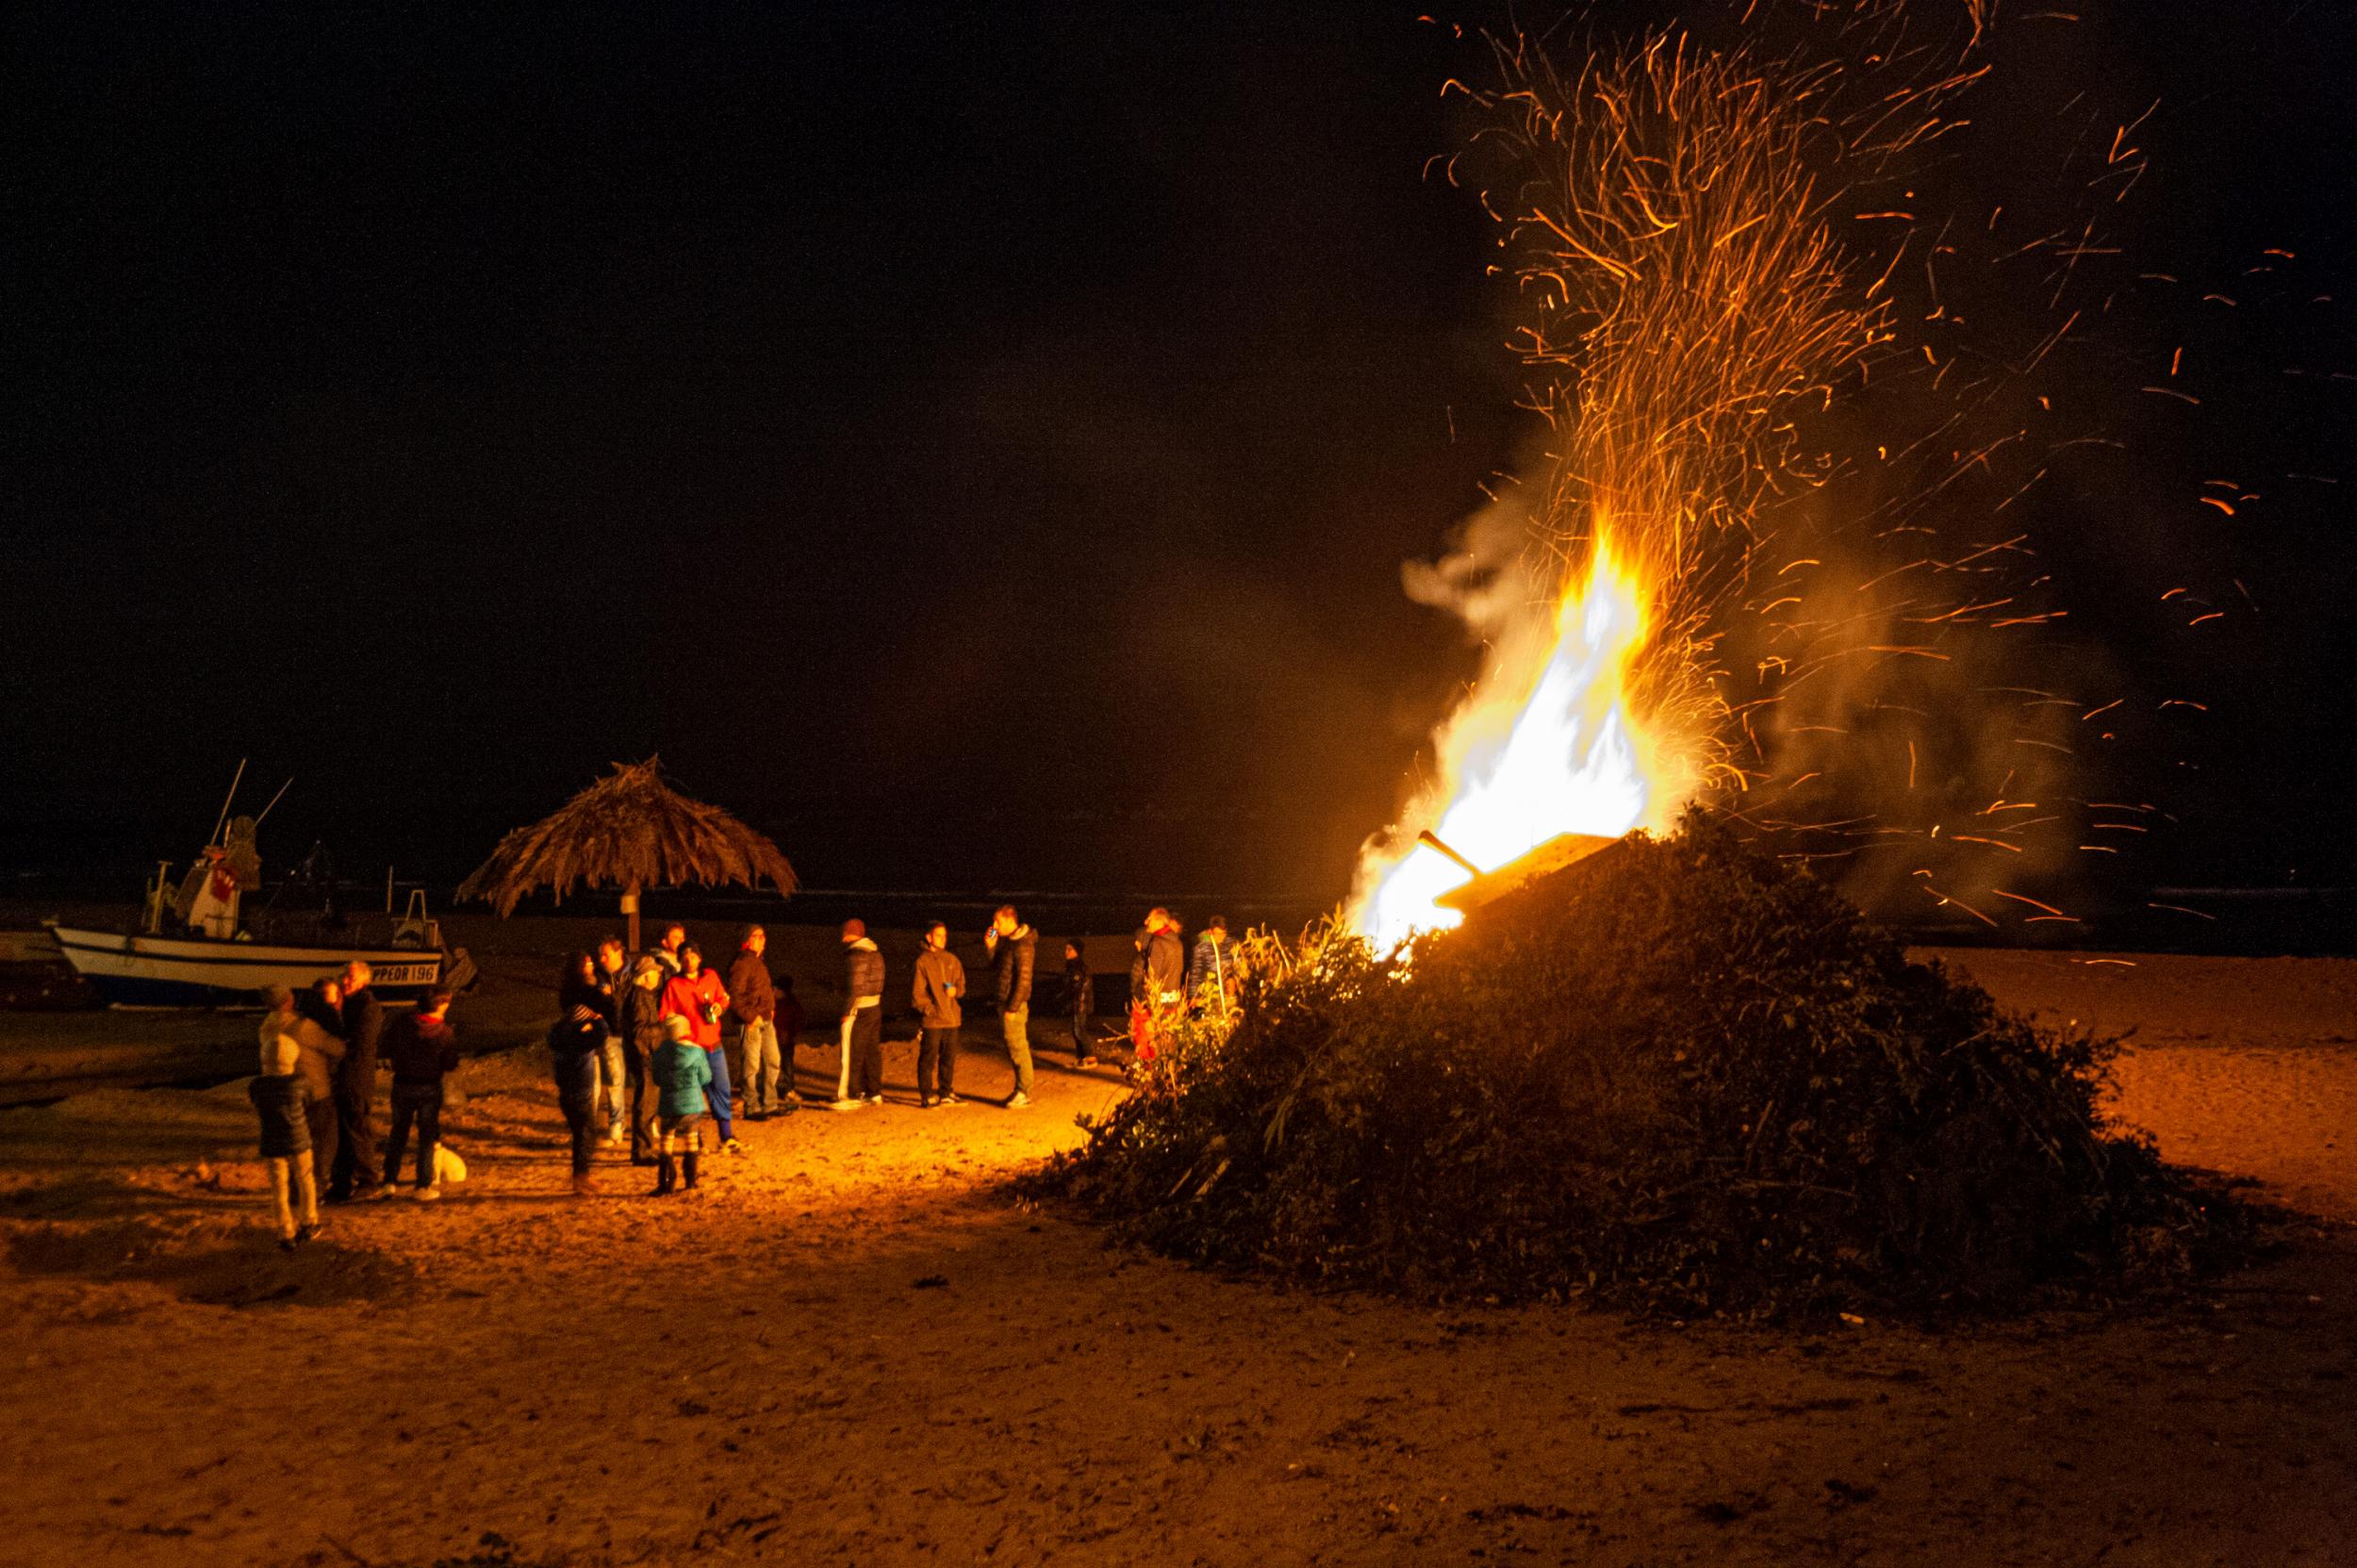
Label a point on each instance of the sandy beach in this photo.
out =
(859, 1347)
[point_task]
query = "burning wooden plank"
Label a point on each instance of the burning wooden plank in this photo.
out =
(1500, 885)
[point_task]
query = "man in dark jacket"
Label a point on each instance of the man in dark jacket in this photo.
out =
(422, 1049)
(1014, 947)
(356, 1173)
(861, 1080)
(644, 1033)
(613, 1052)
(753, 1008)
(1165, 963)
(1080, 1005)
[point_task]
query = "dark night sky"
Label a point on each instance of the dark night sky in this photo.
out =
(979, 446)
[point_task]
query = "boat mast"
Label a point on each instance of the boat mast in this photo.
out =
(224, 820)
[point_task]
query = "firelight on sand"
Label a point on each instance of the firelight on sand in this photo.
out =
(1546, 743)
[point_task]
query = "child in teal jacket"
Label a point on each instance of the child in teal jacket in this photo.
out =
(682, 1074)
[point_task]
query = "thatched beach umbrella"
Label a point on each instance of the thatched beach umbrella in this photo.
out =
(632, 832)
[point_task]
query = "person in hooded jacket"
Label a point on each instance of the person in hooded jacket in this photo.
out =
(574, 1042)
(683, 1071)
(1013, 950)
(861, 1077)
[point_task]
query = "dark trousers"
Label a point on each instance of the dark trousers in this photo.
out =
(422, 1104)
(1083, 1028)
(323, 1117)
(580, 1119)
(355, 1169)
(868, 1052)
(936, 1061)
(644, 1095)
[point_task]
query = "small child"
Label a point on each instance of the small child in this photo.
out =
(279, 1099)
(1080, 1000)
(683, 1076)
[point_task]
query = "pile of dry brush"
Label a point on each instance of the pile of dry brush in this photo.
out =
(1682, 1079)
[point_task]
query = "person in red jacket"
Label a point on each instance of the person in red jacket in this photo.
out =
(697, 995)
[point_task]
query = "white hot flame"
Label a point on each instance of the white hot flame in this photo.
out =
(1543, 747)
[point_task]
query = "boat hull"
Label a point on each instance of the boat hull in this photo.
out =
(179, 971)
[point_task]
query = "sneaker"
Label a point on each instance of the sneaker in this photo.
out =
(1019, 1101)
(924, 1103)
(873, 1099)
(583, 1186)
(306, 1232)
(952, 1099)
(285, 1244)
(794, 1097)
(1085, 1062)
(756, 1116)
(429, 1195)
(378, 1195)
(733, 1147)
(846, 1105)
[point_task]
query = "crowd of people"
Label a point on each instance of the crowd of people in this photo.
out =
(641, 1050)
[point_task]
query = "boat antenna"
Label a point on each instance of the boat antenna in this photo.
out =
(274, 800)
(225, 804)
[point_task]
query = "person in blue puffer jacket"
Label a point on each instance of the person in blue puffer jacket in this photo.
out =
(683, 1071)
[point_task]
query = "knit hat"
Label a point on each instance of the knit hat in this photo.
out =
(747, 938)
(854, 929)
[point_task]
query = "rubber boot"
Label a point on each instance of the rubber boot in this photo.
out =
(663, 1176)
(687, 1162)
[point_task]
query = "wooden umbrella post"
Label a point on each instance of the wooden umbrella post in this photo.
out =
(629, 908)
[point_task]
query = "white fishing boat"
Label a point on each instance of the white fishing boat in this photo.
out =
(143, 969)
(196, 945)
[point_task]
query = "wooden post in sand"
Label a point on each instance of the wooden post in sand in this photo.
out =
(629, 908)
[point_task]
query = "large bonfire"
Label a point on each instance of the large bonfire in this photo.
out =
(1683, 1075)
(1681, 288)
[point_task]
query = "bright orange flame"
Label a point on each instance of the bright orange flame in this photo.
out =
(1547, 743)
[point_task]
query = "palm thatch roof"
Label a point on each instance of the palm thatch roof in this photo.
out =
(631, 831)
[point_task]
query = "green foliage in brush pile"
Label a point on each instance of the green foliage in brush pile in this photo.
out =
(1684, 1079)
